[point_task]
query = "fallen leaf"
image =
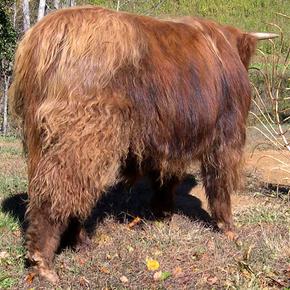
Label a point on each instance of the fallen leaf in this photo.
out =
(157, 276)
(104, 270)
(124, 279)
(134, 222)
(30, 277)
(152, 265)
(177, 272)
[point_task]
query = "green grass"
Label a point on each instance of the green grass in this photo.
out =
(12, 184)
(7, 222)
(6, 282)
(263, 213)
(10, 150)
(8, 139)
(250, 15)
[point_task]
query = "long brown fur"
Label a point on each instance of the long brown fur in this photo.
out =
(95, 88)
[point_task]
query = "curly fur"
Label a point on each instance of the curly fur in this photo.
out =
(95, 88)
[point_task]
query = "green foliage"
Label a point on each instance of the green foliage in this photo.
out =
(8, 38)
(6, 282)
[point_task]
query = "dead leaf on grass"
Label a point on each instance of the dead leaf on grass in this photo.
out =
(124, 279)
(177, 272)
(134, 222)
(104, 270)
(152, 265)
(30, 277)
(157, 276)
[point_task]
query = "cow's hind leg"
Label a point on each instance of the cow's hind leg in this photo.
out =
(220, 172)
(81, 157)
(42, 240)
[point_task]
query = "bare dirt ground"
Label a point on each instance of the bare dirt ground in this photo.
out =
(273, 166)
(181, 252)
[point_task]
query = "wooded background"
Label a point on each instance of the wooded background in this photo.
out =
(17, 16)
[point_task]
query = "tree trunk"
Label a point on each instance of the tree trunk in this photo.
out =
(14, 13)
(41, 9)
(5, 105)
(56, 4)
(26, 16)
(72, 3)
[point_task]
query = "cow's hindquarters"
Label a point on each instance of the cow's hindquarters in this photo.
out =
(77, 163)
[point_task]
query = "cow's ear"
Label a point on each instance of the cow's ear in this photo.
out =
(246, 46)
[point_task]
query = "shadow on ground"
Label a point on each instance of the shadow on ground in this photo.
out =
(124, 205)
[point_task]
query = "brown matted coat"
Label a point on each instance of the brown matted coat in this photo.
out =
(94, 88)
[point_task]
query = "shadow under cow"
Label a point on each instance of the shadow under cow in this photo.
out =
(124, 205)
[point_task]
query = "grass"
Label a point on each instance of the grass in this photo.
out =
(249, 15)
(190, 255)
(10, 185)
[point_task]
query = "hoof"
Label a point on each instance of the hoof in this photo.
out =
(42, 268)
(231, 235)
(83, 242)
(49, 275)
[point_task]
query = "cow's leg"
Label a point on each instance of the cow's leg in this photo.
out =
(130, 171)
(82, 239)
(162, 202)
(76, 235)
(42, 240)
(79, 158)
(57, 196)
(220, 172)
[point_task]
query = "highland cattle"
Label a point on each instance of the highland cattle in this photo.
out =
(105, 96)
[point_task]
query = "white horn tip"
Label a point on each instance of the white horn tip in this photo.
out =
(264, 35)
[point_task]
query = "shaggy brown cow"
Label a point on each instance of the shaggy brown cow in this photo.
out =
(105, 95)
